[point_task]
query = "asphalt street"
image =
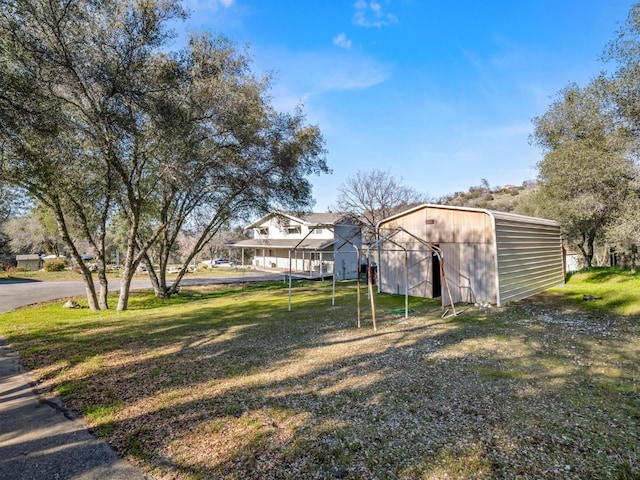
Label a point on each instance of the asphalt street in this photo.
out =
(39, 437)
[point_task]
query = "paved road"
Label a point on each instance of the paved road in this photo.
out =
(39, 438)
(17, 293)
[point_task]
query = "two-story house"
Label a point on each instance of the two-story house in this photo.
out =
(312, 245)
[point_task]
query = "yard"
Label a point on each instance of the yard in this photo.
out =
(71, 275)
(224, 382)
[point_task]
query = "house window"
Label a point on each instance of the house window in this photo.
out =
(315, 255)
(258, 252)
(293, 230)
(318, 231)
(272, 253)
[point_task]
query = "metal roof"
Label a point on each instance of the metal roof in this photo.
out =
(491, 213)
(34, 256)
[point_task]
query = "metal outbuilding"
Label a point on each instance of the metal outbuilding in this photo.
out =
(29, 262)
(485, 256)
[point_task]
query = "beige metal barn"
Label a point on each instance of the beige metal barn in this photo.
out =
(483, 256)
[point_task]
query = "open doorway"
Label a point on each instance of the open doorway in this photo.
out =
(436, 291)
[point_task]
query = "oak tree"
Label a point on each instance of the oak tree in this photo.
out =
(371, 196)
(103, 125)
(586, 173)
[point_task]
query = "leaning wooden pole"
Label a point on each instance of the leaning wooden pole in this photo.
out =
(446, 283)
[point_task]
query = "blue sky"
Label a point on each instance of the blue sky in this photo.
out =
(439, 93)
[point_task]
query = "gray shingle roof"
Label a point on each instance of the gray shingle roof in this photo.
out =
(328, 218)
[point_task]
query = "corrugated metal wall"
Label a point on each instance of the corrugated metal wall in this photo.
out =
(529, 256)
(470, 271)
(393, 276)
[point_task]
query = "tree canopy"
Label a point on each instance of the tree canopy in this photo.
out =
(371, 196)
(586, 171)
(105, 127)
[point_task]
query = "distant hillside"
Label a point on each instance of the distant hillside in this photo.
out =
(510, 198)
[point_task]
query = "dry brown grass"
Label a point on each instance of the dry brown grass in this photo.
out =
(228, 384)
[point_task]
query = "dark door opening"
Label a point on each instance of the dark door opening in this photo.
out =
(436, 291)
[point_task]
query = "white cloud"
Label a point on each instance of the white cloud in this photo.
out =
(371, 14)
(323, 72)
(209, 4)
(301, 76)
(341, 40)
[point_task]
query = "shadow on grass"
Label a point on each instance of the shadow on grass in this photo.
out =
(11, 280)
(605, 274)
(233, 385)
(608, 291)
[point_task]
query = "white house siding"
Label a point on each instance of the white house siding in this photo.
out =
(312, 244)
(572, 262)
(529, 256)
(345, 254)
(301, 260)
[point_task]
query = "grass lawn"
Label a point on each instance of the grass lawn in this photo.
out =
(224, 382)
(40, 275)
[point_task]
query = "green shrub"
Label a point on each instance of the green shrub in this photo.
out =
(54, 265)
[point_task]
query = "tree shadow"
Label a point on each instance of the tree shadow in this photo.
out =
(251, 390)
(12, 280)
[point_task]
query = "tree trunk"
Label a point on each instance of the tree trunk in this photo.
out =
(129, 267)
(591, 239)
(125, 286)
(175, 285)
(156, 283)
(103, 298)
(164, 263)
(90, 288)
(634, 253)
(132, 259)
(588, 258)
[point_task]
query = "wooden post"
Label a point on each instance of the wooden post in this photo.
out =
(406, 284)
(290, 280)
(444, 280)
(358, 288)
(370, 289)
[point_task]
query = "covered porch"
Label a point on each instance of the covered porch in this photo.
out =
(309, 259)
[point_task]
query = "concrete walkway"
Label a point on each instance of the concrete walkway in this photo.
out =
(39, 438)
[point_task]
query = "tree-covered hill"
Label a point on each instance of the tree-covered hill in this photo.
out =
(510, 198)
